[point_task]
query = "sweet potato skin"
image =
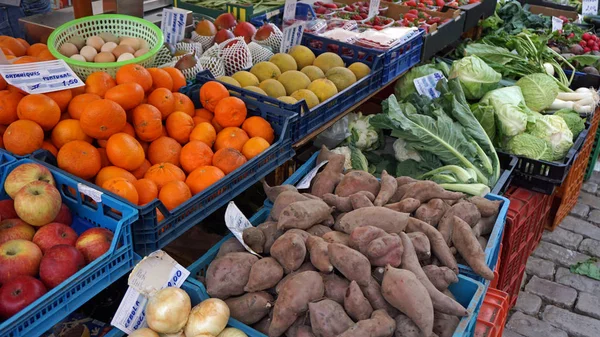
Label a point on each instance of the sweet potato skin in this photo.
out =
(284, 199)
(381, 217)
(306, 266)
(421, 244)
(263, 325)
(386, 250)
(445, 325)
(303, 214)
(328, 318)
(432, 211)
(327, 180)
(439, 247)
(255, 239)
(361, 237)
(273, 192)
(289, 250)
(387, 190)
(250, 308)
(405, 327)
(269, 229)
(425, 190)
(401, 191)
(335, 287)
(337, 237)
(356, 304)
(227, 276)
(356, 181)
(351, 263)
(407, 205)
(264, 274)
(470, 249)
(318, 230)
(464, 210)
(486, 207)
(359, 201)
(441, 277)
(373, 293)
(319, 257)
(379, 325)
(343, 204)
(232, 245)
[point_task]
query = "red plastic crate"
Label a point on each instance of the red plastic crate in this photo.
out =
(494, 282)
(493, 314)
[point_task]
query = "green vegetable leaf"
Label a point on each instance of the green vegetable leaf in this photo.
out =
(475, 76)
(585, 60)
(539, 91)
(587, 268)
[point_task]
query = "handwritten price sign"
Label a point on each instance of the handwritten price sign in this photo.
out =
(41, 77)
(589, 7)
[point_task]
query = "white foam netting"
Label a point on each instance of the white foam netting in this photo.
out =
(235, 54)
(259, 53)
(211, 60)
(195, 48)
(274, 40)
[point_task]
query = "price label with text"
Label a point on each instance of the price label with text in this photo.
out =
(305, 182)
(292, 35)
(236, 221)
(373, 8)
(426, 85)
(173, 24)
(40, 77)
(289, 10)
(557, 23)
(589, 7)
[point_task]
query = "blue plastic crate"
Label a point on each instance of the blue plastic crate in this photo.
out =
(150, 235)
(5, 159)
(59, 302)
(467, 291)
(197, 294)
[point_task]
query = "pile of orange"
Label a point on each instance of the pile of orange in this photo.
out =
(22, 52)
(134, 134)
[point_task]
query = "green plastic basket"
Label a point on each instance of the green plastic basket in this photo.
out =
(119, 25)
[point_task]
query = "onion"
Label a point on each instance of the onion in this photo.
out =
(232, 332)
(208, 317)
(143, 332)
(168, 310)
(177, 334)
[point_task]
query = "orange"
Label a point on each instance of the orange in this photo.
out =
(103, 158)
(3, 83)
(177, 77)
(123, 188)
(174, 194)
(254, 146)
(46, 55)
(211, 93)
(204, 114)
(160, 79)
(48, 146)
(128, 129)
(140, 171)
(197, 120)
(205, 133)
(202, 177)
(134, 73)
(230, 111)
(66, 131)
(8, 106)
(195, 154)
(98, 83)
(79, 103)
(163, 100)
(216, 125)
(164, 150)
(231, 137)
(147, 122)
(23, 137)
(62, 98)
(36, 48)
(40, 109)
(228, 160)
(184, 104)
(125, 151)
(24, 43)
(13, 45)
(26, 59)
(256, 126)
(79, 158)
(179, 126)
(164, 173)
(102, 119)
(7, 52)
(127, 95)
(147, 190)
(110, 172)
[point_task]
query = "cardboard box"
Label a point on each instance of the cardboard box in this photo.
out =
(549, 11)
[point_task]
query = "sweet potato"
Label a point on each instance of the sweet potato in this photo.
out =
(379, 325)
(328, 318)
(232, 245)
(356, 181)
(343, 204)
(400, 192)
(386, 250)
(351, 263)
(469, 248)
(289, 250)
(273, 191)
(269, 229)
(317, 248)
(327, 180)
(387, 190)
(303, 331)
(445, 325)
(464, 210)
(335, 287)
(359, 201)
(303, 214)
(405, 327)
(373, 293)
(263, 325)
(293, 300)
(264, 274)
(439, 248)
(441, 277)
(300, 328)
(421, 244)
(408, 205)
(432, 211)
(284, 200)
(378, 274)
(324, 154)
(484, 226)
(381, 217)
(482, 242)
(227, 276)
(425, 190)
(361, 237)
(486, 207)
(356, 304)
(336, 237)
(405, 180)
(329, 221)
(255, 239)
(318, 230)
(306, 266)
(250, 307)
(404, 291)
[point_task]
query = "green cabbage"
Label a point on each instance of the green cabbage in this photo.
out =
(575, 123)
(475, 76)
(485, 116)
(512, 119)
(530, 146)
(555, 131)
(405, 85)
(539, 91)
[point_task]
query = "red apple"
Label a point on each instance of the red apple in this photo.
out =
(264, 32)
(223, 35)
(225, 21)
(64, 216)
(54, 234)
(38, 203)
(19, 293)
(23, 175)
(15, 229)
(7, 209)
(206, 28)
(94, 242)
(59, 263)
(245, 29)
(19, 257)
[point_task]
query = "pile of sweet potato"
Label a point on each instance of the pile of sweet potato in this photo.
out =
(356, 257)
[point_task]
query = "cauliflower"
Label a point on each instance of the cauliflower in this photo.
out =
(354, 159)
(362, 135)
(401, 153)
(344, 150)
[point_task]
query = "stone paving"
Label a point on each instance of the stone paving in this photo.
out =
(554, 302)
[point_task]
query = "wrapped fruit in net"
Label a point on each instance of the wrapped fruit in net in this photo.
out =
(182, 48)
(259, 53)
(211, 60)
(205, 41)
(235, 54)
(270, 36)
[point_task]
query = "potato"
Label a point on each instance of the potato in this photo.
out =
(227, 276)
(289, 250)
(356, 304)
(264, 274)
(356, 181)
(328, 318)
(351, 263)
(250, 307)
(388, 189)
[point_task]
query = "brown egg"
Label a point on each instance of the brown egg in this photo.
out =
(78, 57)
(140, 52)
(108, 47)
(104, 57)
(109, 37)
(122, 49)
(78, 41)
(95, 41)
(125, 57)
(68, 49)
(89, 53)
(144, 44)
(131, 41)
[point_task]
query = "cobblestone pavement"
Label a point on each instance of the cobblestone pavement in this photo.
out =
(553, 302)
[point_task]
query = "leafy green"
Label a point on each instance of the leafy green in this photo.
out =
(555, 131)
(530, 146)
(509, 110)
(485, 116)
(539, 91)
(358, 160)
(475, 76)
(511, 18)
(575, 123)
(585, 60)
(405, 85)
(472, 189)
(587, 268)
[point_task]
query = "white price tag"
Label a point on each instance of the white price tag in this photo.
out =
(292, 35)
(173, 24)
(426, 85)
(236, 221)
(289, 10)
(90, 192)
(41, 77)
(557, 24)
(156, 271)
(305, 182)
(374, 8)
(589, 7)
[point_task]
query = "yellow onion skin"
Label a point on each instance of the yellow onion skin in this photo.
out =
(168, 310)
(208, 317)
